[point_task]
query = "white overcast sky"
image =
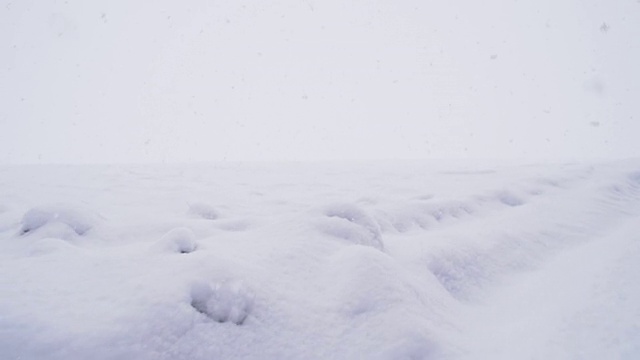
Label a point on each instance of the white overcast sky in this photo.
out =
(180, 81)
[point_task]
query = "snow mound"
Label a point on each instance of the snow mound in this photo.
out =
(203, 211)
(450, 210)
(510, 199)
(59, 217)
(367, 281)
(426, 215)
(458, 272)
(223, 302)
(352, 223)
(178, 240)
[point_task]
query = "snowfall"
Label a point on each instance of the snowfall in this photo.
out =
(354, 260)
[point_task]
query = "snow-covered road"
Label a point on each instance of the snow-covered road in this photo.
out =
(320, 261)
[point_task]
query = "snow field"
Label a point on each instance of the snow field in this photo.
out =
(376, 261)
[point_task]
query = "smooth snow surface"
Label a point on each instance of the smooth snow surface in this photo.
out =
(413, 260)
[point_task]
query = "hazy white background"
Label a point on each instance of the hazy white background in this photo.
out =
(168, 81)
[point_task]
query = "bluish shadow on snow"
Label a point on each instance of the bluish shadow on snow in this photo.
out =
(203, 211)
(352, 223)
(58, 221)
(223, 302)
(510, 199)
(179, 240)
(412, 347)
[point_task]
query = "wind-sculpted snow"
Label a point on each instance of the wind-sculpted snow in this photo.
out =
(58, 219)
(223, 302)
(349, 222)
(204, 211)
(366, 280)
(320, 261)
(179, 240)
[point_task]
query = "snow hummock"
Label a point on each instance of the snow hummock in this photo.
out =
(77, 220)
(180, 240)
(223, 302)
(204, 211)
(351, 223)
(406, 260)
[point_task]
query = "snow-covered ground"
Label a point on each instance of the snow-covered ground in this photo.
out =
(413, 260)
